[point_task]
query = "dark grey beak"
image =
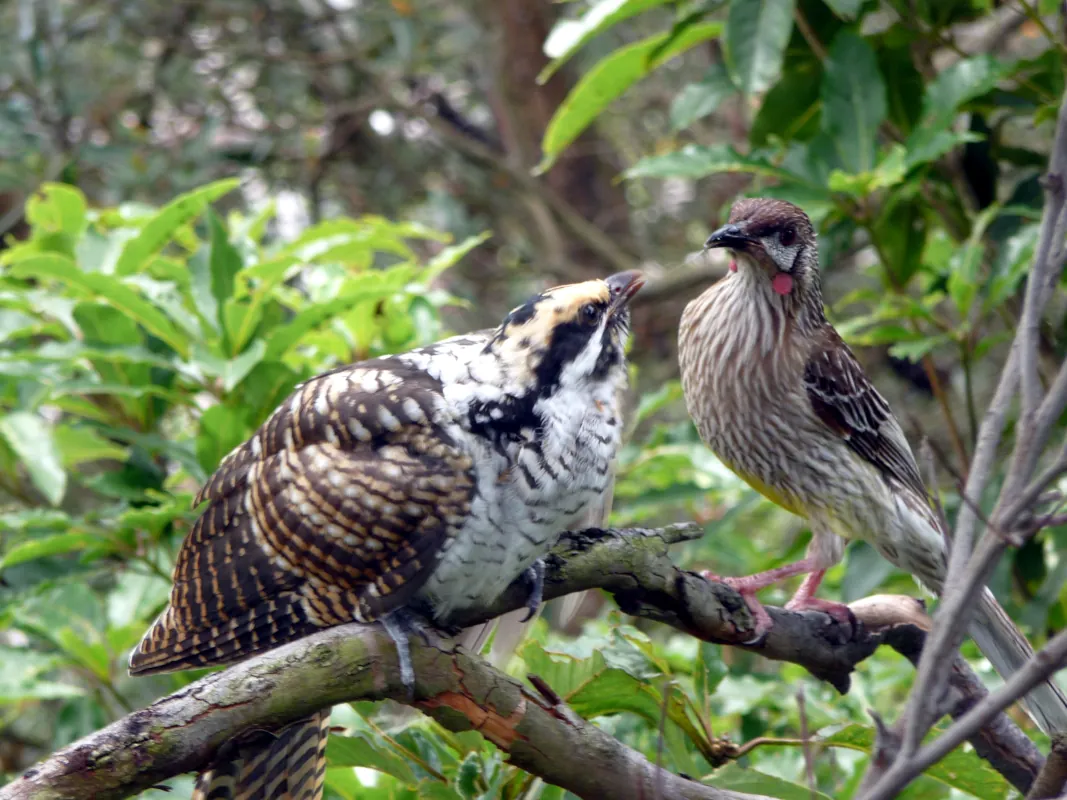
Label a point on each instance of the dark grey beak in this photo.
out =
(623, 286)
(728, 236)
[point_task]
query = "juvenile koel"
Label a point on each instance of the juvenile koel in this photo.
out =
(428, 480)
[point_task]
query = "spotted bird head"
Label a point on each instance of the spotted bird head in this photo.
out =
(773, 241)
(570, 336)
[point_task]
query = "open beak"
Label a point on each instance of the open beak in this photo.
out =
(623, 286)
(728, 236)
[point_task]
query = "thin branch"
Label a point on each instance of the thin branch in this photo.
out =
(967, 571)
(1037, 670)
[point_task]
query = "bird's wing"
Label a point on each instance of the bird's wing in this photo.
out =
(334, 510)
(844, 398)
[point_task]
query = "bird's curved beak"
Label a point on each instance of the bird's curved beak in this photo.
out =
(623, 286)
(731, 236)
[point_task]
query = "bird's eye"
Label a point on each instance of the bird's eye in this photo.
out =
(787, 237)
(590, 313)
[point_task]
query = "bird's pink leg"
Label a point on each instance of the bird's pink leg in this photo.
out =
(748, 585)
(805, 600)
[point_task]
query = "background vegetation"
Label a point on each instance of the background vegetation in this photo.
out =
(210, 202)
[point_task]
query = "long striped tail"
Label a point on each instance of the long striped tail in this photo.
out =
(291, 766)
(1008, 650)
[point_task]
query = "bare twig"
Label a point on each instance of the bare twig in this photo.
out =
(1038, 669)
(968, 572)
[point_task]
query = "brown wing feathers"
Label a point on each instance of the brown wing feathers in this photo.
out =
(334, 510)
(843, 397)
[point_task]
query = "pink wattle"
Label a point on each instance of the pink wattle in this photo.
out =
(782, 283)
(733, 266)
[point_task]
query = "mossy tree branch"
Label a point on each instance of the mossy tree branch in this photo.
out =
(183, 731)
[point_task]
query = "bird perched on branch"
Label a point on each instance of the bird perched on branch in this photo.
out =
(782, 401)
(427, 480)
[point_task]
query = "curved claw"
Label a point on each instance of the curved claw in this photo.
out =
(535, 577)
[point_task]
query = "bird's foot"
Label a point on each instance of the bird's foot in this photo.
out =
(747, 586)
(839, 612)
(535, 579)
(400, 624)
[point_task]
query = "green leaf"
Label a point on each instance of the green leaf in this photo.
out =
(225, 263)
(79, 444)
(696, 161)
(54, 545)
(739, 779)
(30, 437)
(865, 570)
(757, 32)
(286, 336)
(451, 255)
(697, 100)
(1011, 265)
(916, 350)
(962, 769)
(569, 36)
(91, 655)
(57, 208)
(361, 751)
(963, 81)
(846, 9)
(159, 230)
(854, 101)
(234, 370)
(20, 677)
(608, 79)
(791, 109)
(966, 263)
(221, 430)
(105, 287)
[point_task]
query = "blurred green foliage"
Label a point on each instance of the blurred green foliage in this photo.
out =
(139, 344)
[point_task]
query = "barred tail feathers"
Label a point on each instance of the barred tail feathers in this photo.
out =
(290, 766)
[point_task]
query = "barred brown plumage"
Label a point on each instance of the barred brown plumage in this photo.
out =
(784, 403)
(430, 479)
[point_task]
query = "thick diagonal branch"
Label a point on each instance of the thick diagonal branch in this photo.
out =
(182, 732)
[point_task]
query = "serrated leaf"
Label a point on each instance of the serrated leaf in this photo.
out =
(159, 230)
(853, 101)
(569, 36)
(30, 437)
(608, 79)
(104, 287)
(757, 32)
